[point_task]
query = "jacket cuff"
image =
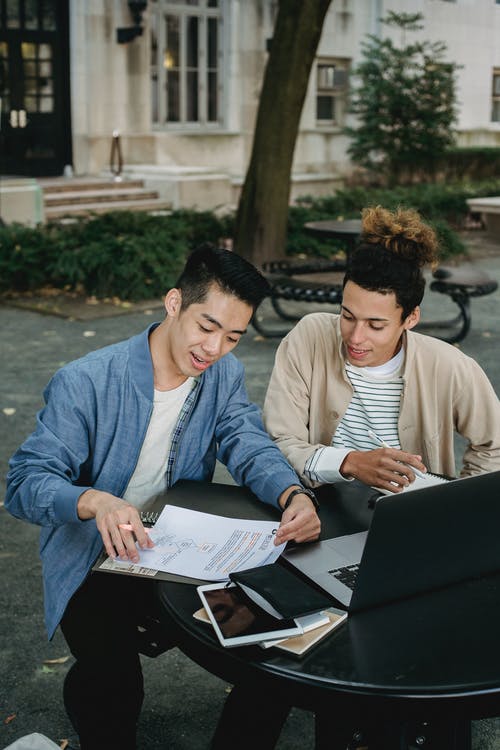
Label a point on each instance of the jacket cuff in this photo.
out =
(65, 503)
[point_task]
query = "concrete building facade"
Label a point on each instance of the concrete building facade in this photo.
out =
(178, 81)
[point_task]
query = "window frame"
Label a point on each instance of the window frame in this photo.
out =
(495, 95)
(182, 10)
(337, 92)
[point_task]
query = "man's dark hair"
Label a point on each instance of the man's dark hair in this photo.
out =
(209, 265)
(393, 248)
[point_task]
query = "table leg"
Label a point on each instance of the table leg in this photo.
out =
(436, 735)
(330, 735)
(392, 736)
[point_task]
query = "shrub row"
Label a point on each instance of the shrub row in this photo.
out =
(134, 256)
(130, 255)
(444, 206)
(472, 162)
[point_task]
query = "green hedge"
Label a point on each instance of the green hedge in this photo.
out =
(130, 255)
(471, 162)
(442, 205)
(134, 256)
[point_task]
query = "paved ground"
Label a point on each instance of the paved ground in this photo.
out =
(183, 701)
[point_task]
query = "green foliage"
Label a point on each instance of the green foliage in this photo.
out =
(443, 206)
(405, 104)
(26, 255)
(134, 256)
(472, 162)
(130, 255)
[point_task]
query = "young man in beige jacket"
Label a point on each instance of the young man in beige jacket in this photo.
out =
(361, 395)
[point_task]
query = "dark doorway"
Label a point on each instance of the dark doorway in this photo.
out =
(35, 123)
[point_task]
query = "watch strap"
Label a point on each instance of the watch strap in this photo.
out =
(302, 491)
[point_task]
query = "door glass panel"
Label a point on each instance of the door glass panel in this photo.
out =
(30, 87)
(28, 51)
(12, 13)
(29, 69)
(49, 18)
(4, 71)
(31, 14)
(46, 104)
(45, 86)
(44, 52)
(45, 68)
(30, 103)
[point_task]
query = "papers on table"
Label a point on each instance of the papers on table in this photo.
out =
(205, 546)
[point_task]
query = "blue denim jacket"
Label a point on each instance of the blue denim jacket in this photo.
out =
(90, 434)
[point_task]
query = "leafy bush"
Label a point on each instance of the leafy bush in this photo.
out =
(125, 254)
(26, 257)
(134, 256)
(472, 162)
(444, 206)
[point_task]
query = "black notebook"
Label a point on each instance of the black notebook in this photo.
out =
(285, 595)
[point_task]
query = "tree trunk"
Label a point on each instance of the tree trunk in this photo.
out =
(261, 220)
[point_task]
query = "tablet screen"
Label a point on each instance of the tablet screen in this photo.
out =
(238, 617)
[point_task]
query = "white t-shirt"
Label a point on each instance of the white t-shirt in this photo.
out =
(149, 480)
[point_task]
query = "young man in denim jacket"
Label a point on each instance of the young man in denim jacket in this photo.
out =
(120, 426)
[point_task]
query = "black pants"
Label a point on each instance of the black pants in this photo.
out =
(103, 690)
(251, 719)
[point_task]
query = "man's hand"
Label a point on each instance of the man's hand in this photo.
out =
(387, 468)
(299, 521)
(109, 512)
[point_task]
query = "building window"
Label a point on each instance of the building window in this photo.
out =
(187, 62)
(495, 96)
(332, 77)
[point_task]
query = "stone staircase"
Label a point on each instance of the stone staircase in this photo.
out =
(72, 197)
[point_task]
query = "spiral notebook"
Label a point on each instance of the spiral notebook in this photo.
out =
(419, 483)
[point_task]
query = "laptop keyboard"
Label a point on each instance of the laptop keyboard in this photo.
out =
(149, 517)
(346, 575)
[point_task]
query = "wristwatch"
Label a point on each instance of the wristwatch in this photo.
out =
(302, 491)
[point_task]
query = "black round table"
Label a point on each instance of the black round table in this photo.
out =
(347, 231)
(431, 658)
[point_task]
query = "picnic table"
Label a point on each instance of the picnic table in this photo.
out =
(319, 281)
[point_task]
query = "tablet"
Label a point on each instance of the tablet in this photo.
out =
(237, 620)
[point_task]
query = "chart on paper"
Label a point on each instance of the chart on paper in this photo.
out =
(204, 546)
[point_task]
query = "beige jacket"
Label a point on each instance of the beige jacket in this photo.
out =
(444, 392)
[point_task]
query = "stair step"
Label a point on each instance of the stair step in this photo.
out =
(85, 209)
(98, 196)
(71, 185)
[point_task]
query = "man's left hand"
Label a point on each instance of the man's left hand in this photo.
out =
(299, 522)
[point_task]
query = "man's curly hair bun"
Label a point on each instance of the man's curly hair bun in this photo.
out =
(401, 232)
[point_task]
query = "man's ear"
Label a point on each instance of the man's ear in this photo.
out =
(173, 302)
(412, 319)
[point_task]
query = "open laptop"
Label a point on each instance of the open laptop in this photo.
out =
(417, 541)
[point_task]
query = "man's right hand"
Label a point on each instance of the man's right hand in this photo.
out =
(109, 513)
(386, 468)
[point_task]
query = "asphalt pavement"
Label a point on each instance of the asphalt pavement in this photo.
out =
(183, 701)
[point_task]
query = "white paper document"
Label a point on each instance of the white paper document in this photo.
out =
(201, 545)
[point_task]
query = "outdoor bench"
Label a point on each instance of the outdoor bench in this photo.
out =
(460, 284)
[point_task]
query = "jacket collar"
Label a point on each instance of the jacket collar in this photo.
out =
(141, 364)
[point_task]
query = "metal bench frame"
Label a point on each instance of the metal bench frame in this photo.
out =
(460, 284)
